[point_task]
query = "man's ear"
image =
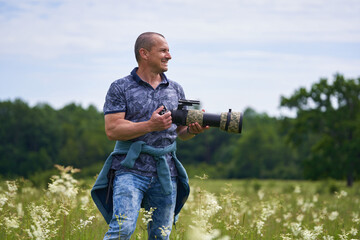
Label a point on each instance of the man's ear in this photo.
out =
(144, 53)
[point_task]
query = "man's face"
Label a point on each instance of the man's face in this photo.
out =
(159, 55)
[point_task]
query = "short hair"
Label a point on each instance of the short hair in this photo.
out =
(145, 40)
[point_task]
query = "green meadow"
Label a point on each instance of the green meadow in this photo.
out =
(216, 209)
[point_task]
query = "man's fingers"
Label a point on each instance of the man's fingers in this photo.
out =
(166, 114)
(197, 128)
(159, 109)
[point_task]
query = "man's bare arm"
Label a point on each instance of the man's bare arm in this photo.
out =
(188, 132)
(118, 128)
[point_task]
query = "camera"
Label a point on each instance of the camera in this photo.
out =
(227, 121)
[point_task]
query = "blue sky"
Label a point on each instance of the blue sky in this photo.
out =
(227, 54)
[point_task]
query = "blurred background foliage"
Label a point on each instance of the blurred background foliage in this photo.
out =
(320, 142)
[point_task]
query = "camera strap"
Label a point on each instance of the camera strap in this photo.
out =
(228, 120)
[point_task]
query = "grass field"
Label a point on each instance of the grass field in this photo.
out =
(216, 209)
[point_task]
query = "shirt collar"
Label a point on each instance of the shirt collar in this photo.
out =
(136, 77)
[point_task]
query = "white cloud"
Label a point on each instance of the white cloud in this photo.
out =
(83, 26)
(236, 49)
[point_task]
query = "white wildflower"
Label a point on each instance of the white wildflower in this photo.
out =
(285, 237)
(323, 213)
(308, 235)
(268, 210)
(342, 194)
(287, 216)
(259, 227)
(297, 189)
(355, 217)
(20, 210)
(63, 188)
(225, 238)
(307, 206)
(203, 206)
(64, 185)
(84, 200)
(84, 223)
(12, 188)
(260, 194)
(328, 237)
(295, 228)
(318, 229)
(209, 205)
(203, 177)
(315, 217)
(165, 231)
(312, 235)
(344, 235)
(3, 200)
(200, 233)
(10, 194)
(315, 198)
(353, 231)
(63, 210)
(300, 218)
(300, 201)
(147, 215)
(333, 215)
(215, 233)
(43, 224)
(190, 200)
(29, 191)
(11, 223)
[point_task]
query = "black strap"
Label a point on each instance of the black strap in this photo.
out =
(110, 176)
(228, 120)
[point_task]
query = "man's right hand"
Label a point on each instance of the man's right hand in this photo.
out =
(118, 128)
(160, 122)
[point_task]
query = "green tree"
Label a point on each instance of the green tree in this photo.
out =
(29, 138)
(329, 115)
(261, 151)
(84, 142)
(33, 139)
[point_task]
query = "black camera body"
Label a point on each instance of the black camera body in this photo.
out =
(228, 121)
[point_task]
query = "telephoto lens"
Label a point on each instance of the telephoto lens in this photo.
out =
(227, 121)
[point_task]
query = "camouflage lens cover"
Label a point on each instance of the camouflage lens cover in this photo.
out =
(194, 116)
(233, 125)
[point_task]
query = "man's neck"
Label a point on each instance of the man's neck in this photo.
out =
(154, 79)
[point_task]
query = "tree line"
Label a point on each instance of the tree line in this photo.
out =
(322, 141)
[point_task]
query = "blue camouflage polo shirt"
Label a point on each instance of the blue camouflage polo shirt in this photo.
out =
(139, 100)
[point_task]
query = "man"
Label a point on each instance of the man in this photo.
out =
(147, 172)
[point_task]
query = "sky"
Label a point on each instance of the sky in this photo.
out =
(227, 54)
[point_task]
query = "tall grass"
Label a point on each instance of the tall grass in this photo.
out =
(216, 209)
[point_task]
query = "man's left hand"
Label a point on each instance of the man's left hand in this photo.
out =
(196, 128)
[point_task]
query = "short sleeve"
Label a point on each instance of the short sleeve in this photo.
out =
(179, 90)
(114, 100)
(182, 94)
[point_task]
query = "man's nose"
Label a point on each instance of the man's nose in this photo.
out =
(168, 55)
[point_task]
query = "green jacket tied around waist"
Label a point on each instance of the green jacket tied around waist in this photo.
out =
(132, 151)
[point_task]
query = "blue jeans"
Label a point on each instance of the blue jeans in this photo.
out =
(130, 190)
